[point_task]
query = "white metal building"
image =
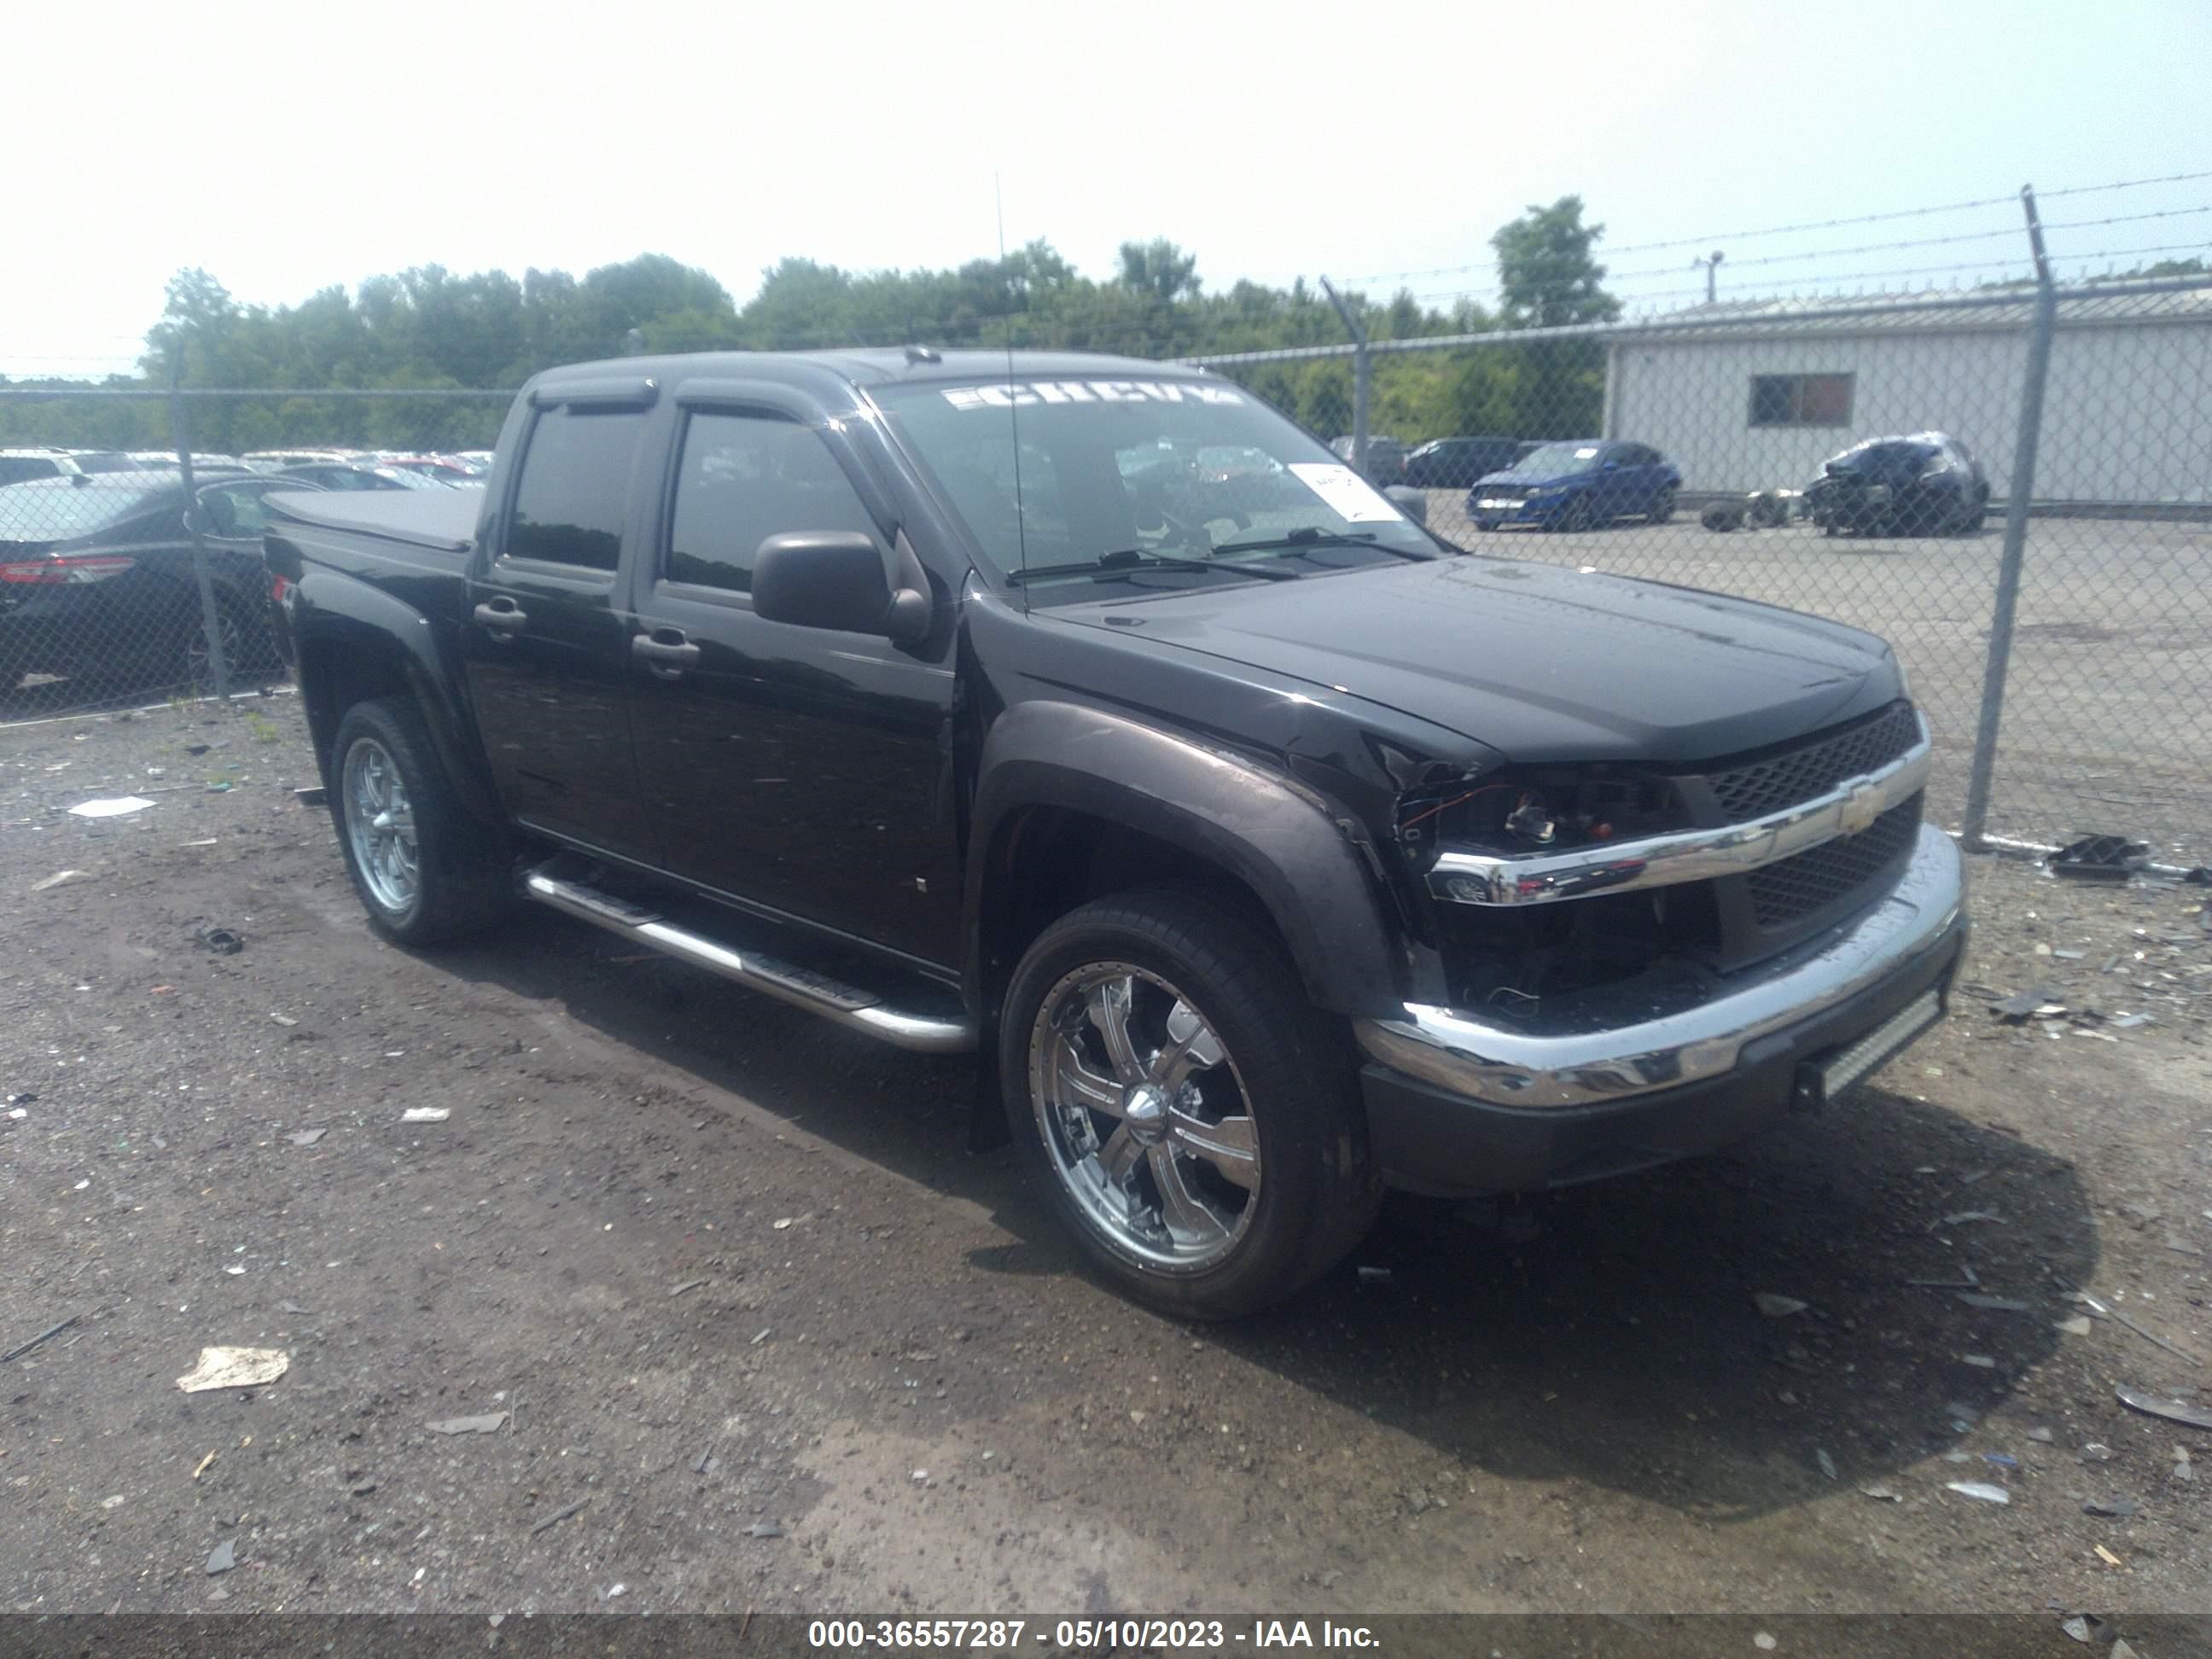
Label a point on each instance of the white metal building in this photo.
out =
(1757, 395)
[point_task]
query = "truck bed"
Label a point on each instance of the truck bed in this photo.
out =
(442, 518)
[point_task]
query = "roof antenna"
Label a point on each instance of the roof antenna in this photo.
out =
(1014, 414)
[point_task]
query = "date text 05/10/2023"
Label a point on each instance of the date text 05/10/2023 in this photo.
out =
(1003, 1635)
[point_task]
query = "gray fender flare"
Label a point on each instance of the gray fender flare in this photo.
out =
(1278, 836)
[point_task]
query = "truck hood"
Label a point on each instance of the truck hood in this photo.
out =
(1540, 662)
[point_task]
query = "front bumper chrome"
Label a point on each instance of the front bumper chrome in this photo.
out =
(1457, 1050)
(1734, 849)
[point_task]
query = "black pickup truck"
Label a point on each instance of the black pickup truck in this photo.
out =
(1270, 850)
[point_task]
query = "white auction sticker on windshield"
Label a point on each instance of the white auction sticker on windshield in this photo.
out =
(1028, 394)
(1344, 492)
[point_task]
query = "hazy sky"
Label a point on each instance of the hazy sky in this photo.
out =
(289, 147)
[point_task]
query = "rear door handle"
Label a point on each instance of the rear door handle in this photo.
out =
(665, 651)
(503, 618)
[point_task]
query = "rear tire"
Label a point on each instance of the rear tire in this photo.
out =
(424, 870)
(249, 646)
(1194, 1121)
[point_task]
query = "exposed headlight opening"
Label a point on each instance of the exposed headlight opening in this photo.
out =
(1522, 810)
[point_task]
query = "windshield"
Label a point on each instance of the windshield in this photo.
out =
(1558, 460)
(1142, 474)
(1884, 455)
(59, 509)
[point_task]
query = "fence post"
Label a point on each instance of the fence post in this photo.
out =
(211, 619)
(1362, 377)
(2006, 602)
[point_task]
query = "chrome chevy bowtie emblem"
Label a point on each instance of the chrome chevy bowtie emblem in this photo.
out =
(1861, 806)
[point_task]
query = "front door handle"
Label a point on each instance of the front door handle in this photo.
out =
(503, 618)
(665, 651)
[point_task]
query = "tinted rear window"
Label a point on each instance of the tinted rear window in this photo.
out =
(53, 510)
(573, 497)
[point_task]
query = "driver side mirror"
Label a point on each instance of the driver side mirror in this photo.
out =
(1609, 466)
(834, 579)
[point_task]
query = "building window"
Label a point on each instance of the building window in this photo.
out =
(1800, 399)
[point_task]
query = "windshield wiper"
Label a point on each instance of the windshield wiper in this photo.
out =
(1109, 566)
(1311, 537)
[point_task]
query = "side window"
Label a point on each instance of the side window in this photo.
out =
(235, 512)
(1801, 400)
(573, 497)
(742, 479)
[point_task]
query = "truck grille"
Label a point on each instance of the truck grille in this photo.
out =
(1767, 786)
(1785, 893)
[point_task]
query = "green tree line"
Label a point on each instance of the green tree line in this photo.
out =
(430, 328)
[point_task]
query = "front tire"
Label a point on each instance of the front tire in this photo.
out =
(423, 869)
(1662, 507)
(1579, 516)
(1193, 1118)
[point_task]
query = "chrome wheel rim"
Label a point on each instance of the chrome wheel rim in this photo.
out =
(1145, 1117)
(199, 664)
(379, 822)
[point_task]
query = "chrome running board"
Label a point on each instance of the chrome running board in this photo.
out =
(859, 1011)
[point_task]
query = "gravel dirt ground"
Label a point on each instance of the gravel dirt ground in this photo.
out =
(756, 1330)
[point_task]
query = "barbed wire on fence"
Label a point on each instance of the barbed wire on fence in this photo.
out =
(1738, 409)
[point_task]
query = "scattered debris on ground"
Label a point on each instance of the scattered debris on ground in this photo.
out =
(488, 1423)
(235, 1368)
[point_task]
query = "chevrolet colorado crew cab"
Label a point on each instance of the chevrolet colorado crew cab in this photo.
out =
(1269, 850)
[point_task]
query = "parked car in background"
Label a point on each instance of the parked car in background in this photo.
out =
(1386, 457)
(1456, 463)
(44, 461)
(1926, 483)
(437, 468)
(276, 460)
(1575, 484)
(165, 460)
(97, 585)
(37, 461)
(352, 475)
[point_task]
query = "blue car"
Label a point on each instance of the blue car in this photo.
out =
(1576, 485)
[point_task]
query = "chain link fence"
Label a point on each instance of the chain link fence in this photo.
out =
(131, 526)
(2012, 486)
(2015, 488)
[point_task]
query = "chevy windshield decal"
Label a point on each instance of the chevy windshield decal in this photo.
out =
(1022, 394)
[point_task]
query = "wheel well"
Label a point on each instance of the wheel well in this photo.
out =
(1048, 860)
(332, 681)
